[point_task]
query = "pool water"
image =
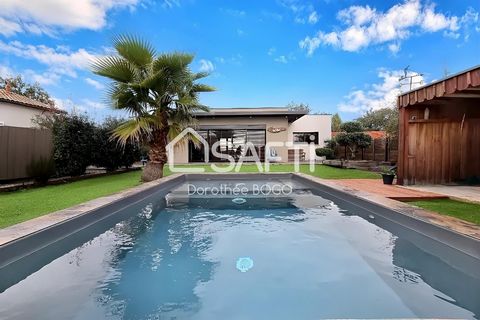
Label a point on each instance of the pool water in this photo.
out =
(304, 258)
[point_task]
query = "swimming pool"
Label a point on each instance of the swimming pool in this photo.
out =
(241, 247)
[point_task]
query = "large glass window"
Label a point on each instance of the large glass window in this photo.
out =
(229, 142)
(305, 137)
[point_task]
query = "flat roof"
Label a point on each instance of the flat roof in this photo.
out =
(252, 112)
(464, 84)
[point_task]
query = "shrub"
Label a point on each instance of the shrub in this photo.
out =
(41, 169)
(110, 154)
(325, 152)
(330, 143)
(73, 142)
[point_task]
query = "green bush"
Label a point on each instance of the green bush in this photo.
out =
(41, 169)
(325, 152)
(110, 154)
(73, 142)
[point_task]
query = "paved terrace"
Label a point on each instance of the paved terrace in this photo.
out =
(388, 191)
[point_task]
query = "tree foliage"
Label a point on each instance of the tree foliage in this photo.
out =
(353, 137)
(110, 154)
(385, 119)
(33, 91)
(159, 91)
(294, 106)
(336, 122)
(328, 153)
(73, 144)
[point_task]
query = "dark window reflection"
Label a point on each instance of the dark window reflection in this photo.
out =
(231, 142)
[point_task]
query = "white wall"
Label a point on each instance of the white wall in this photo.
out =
(321, 123)
(18, 116)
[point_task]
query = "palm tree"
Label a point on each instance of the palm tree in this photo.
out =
(160, 93)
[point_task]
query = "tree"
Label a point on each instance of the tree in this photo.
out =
(33, 91)
(73, 143)
(385, 119)
(336, 122)
(108, 153)
(293, 106)
(159, 92)
(353, 137)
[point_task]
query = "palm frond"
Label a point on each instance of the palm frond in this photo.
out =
(134, 129)
(135, 50)
(199, 75)
(173, 62)
(199, 87)
(115, 68)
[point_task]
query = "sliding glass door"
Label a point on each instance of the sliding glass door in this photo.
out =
(229, 142)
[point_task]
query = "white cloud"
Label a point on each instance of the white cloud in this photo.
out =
(281, 59)
(378, 95)
(436, 21)
(271, 51)
(302, 11)
(60, 60)
(313, 17)
(394, 48)
(9, 28)
(47, 16)
(5, 71)
(94, 83)
(44, 78)
(365, 26)
(89, 104)
(240, 32)
(206, 65)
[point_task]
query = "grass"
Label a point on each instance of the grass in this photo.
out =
(458, 209)
(321, 171)
(27, 204)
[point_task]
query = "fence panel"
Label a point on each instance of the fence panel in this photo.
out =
(19, 146)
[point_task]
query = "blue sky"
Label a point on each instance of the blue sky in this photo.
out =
(337, 56)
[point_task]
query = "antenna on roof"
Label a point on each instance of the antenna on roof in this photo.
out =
(409, 76)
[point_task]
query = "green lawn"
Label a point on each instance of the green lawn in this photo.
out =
(458, 209)
(321, 171)
(23, 205)
(26, 204)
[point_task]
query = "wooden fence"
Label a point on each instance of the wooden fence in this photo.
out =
(381, 149)
(18, 147)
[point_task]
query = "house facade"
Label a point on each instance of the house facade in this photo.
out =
(18, 111)
(230, 129)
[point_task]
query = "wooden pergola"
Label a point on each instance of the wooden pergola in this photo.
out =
(439, 138)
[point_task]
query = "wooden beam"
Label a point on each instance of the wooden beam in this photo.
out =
(402, 150)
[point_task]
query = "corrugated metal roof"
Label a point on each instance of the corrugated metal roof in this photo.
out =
(456, 85)
(25, 101)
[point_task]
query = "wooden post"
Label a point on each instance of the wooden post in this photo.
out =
(402, 150)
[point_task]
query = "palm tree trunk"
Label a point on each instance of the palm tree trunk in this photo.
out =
(157, 154)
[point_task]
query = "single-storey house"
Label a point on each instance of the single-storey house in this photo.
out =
(18, 111)
(439, 124)
(233, 128)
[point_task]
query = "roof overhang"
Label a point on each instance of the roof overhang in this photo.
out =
(291, 115)
(463, 85)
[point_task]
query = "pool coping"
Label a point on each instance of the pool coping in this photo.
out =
(29, 227)
(447, 222)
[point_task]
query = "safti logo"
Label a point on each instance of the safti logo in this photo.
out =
(229, 163)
